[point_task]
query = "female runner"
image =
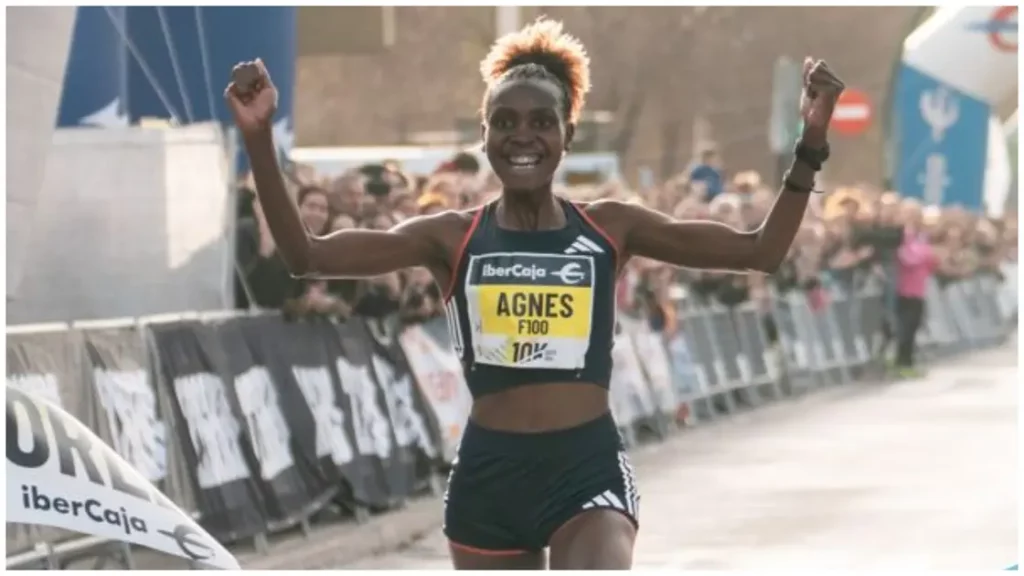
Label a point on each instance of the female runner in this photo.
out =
(529, 289)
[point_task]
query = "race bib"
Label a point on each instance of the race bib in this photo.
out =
(530, 310)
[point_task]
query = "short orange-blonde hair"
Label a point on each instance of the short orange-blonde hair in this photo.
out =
(540, 50)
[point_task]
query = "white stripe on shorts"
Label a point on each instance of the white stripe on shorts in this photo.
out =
(606, 499)
(629, 486)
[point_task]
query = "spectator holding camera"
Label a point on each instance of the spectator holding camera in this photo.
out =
(878, 231)
(262, 279)
(377, 186)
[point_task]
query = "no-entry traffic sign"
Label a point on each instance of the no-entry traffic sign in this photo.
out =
(852, 115)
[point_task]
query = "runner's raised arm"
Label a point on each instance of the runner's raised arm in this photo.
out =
(422, 241)
(705, 244)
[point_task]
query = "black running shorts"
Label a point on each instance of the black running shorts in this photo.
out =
(509, 492)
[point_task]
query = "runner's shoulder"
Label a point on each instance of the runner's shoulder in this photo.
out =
(610, 208)
(445, 230)
(615, 217)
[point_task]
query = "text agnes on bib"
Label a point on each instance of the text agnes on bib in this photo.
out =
(531, 310)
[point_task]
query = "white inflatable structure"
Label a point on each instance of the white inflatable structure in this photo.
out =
(956, 66)
(971, 49)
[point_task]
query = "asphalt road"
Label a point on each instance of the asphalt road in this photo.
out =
(910, 475)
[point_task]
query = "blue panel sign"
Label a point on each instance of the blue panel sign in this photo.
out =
(941, 141)
(95, 82)
(165, 73)
(236, 34)
(184, 55)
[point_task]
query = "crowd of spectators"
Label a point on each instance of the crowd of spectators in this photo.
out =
(849, 237)
(374, 196)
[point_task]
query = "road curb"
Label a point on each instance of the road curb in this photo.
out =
(345, 543)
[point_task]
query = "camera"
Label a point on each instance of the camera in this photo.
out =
(376, 181)
(378, 187)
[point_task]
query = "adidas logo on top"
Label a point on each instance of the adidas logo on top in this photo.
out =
(583, 245)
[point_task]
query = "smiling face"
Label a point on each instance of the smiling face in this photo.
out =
(525, 132)
(314, 211)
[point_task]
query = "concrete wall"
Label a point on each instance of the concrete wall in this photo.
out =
(38, 40)
(133, 222)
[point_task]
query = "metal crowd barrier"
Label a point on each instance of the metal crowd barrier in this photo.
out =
(731, 364)
(969, 314)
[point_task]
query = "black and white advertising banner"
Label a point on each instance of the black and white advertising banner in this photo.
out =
(263, 393)
(438, 373)
(210, 430)
(352, 427)
(297, 357)
(407, 408)
(61, 474)
(388, 451)
(129, 418)
(48, 365)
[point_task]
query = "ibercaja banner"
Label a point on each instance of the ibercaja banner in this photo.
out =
(59, 473)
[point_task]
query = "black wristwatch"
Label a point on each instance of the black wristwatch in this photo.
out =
(813, 157)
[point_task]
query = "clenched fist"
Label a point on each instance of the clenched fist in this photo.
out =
(252, 97)
(821, 92)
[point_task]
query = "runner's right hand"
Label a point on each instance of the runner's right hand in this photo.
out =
(252, 97)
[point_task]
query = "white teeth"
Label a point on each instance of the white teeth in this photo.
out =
(524, 160)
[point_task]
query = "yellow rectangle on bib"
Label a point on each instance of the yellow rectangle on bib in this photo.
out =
(535, 311)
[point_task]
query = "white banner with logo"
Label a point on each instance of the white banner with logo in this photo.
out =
(630, 396)
(971, 48)
(654, 361)
(438, 373)
(61, 474)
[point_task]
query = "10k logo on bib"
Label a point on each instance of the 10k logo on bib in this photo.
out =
(530, 310)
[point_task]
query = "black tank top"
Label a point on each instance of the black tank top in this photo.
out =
(533, 307)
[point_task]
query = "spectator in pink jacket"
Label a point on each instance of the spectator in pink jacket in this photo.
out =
(916, 262)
